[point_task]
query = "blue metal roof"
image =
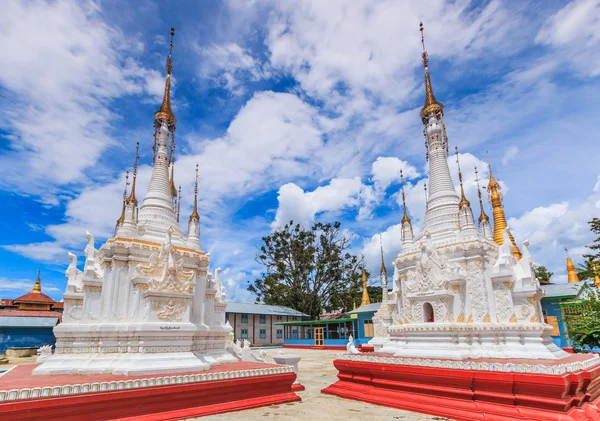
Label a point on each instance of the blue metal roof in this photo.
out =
(369, 308)
(10, 321)
(562, 290)
(263, 309)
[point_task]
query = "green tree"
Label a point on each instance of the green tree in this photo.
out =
(586, 270)
(592, 262)
(583, 320)
(309, 270)
(542, 274)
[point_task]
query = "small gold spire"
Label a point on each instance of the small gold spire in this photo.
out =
(596, 277)
(405, 218)
(122, 217)
(132, 198)
(571, 272)
(194, 215)
(165, 113)
(432, 106)
(354, 305)
(173, 188)
(482, 217)
(463, 200)
(365, 294)
(500, 224)
(37, 286)
(383, 270)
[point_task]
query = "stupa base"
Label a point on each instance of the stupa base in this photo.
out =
(224, 388)
(565, 389)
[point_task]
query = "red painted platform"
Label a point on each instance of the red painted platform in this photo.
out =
(224, 388)
(471, 395)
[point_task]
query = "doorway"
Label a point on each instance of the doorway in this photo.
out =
(319, 336)
(428, 314)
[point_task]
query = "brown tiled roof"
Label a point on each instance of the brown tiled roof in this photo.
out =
(36, 297)
(30, 313)
(58, 305)
(6, 302)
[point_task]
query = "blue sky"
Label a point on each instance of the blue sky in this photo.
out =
(301, 110)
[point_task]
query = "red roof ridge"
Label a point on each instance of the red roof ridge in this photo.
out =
(37, 297)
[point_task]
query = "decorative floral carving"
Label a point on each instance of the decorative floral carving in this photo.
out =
(170, 310)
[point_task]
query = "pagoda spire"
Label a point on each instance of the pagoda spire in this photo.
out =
(571, 272)
(464, 203)
(383, 274)
(165, 113)
(465, 213)
(484, 220)
(193, 239)
(37, 286)
(431, 106)
(194, 215)
(406, 225)
(122, 217)
(495, 198)
(132, 199)
(365, 294)
(441, 210)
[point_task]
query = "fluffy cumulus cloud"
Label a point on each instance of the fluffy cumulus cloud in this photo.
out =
(62, 65)
(386, 170)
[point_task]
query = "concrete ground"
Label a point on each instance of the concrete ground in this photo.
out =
(316, 371)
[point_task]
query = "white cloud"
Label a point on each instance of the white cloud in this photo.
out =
(46, 251)
(510, 154)
(386, 170)
(302, 207)
(23, 285)
(574, 31)
(231, 66)
(59, 120)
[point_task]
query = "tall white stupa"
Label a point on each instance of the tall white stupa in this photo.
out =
(145, 302)
(459, 290)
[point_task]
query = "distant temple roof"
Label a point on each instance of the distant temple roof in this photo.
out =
(562, 290)
(373, 307)
(263, 309)
(34, 297)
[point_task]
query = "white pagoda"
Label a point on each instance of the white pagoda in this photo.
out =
(145, 302)
(459, 290)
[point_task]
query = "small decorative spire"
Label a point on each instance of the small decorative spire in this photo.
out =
(463, 200)
(37, 286)
(179, 203)
(482, 217)
(495, 198)
(432, 106)
(172, 187)
(122, 217)
(405, 218)
(571, 272)
(365, 294)
(194, 215)
(354, 304)
(132, 198)
(165, 113)
(383, 270)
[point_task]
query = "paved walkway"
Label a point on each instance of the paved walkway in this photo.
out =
(317, 372)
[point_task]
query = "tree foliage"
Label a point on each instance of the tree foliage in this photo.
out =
(542, 274)
(583, 320)
(592, 262)
(309, 270)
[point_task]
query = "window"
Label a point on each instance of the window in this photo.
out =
(279, 333)
(244, 318)
(263, 319)
(295, 333)
(244, 334)
(263, 334)
(279, 318)
(368, 328)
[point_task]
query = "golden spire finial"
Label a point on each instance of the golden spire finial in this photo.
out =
(365, 294)
(495, 198)
(122, 217)
(405, 218)
(482, 217)
(463, 200)
(354, 304)
(132, 198)
(37, 286)
(432, 106)
(383, 270)
(571, 272)
(165, 113)
(194, 214)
